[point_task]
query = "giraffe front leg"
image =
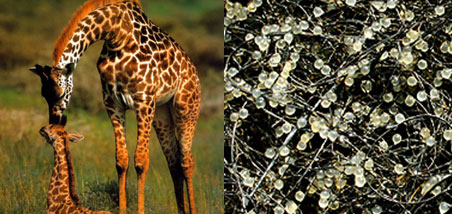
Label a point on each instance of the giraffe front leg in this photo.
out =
(117, 118)
(145, 116)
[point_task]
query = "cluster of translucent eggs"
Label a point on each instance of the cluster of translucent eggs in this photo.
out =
(374, 100)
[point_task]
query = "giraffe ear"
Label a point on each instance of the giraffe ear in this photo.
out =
(75, 137)
(70, 68)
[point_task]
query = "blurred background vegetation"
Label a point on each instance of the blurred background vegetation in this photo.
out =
(28, 30)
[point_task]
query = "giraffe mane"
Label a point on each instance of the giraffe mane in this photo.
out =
(67, 32)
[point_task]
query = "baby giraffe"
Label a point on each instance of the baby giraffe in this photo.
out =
(62, 197)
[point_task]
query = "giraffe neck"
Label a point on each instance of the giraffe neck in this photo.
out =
(62, 183)
(110, 23)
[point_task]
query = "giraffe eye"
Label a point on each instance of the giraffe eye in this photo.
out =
(60, 134)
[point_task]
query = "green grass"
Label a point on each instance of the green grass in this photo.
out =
(27, 161)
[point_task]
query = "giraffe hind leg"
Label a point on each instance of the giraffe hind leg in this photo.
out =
(164, 127)
(186, 113)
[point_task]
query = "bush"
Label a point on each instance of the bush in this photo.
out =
(337, 106)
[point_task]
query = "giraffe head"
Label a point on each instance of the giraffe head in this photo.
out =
(56, 88)
(55, 135)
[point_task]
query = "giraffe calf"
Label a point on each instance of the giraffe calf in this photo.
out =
(62, 197)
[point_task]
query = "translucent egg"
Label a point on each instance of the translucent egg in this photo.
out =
(305, 138)
(411, 81)
(333, 135)
(301, 122)
(251, 7)
(301, 145)
(323, 203)
(285, 28)
(348, 40)
(278, 131)
(379, 5)
(328, 182)
(278, 210)
(288, 37)
(349, 170)
(325, 194)
(234, 117)
(249, 36)
(376, 26)
(447, 134)
(294, 56)
(325, 70)
(399, 169)
(349, 81)
(377, 209)
(248, 181)
(291, 207)
(396, 138)
(369, 164)
(446, 73)
(258, 3)
(350, 3)
(385, 117)
(334, 205)
(290, 110)
(358, 171)
(341, 183)
(366, 86)
(421, 96)
(320, 174)
(409, 15)
(385, 22)
(357, 46)
(399, 118)
(274, 28)
(360, 181)
(260, 103)
(283, 169)
(304, 25)
(256, 55)
(296, 29)
(318, 12)
(368, 33)
(434, 94)
(270, 153)
(284, 151)
(287, 127)
(299, 196)
(325, 103)
(439, 10)
(243, 113)
(317, 30)
(444, 207)
(388, 97)
(318, 64)
(422, 64)
(444, 47)
(383, 145)
(365, 70)
(279, 184)
(436, 190)
(409, 101)
(394, 53)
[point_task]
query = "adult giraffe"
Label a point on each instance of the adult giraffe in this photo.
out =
(141, 69)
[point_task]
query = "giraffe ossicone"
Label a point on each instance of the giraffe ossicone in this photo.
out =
(61, 195)
(142, 69)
